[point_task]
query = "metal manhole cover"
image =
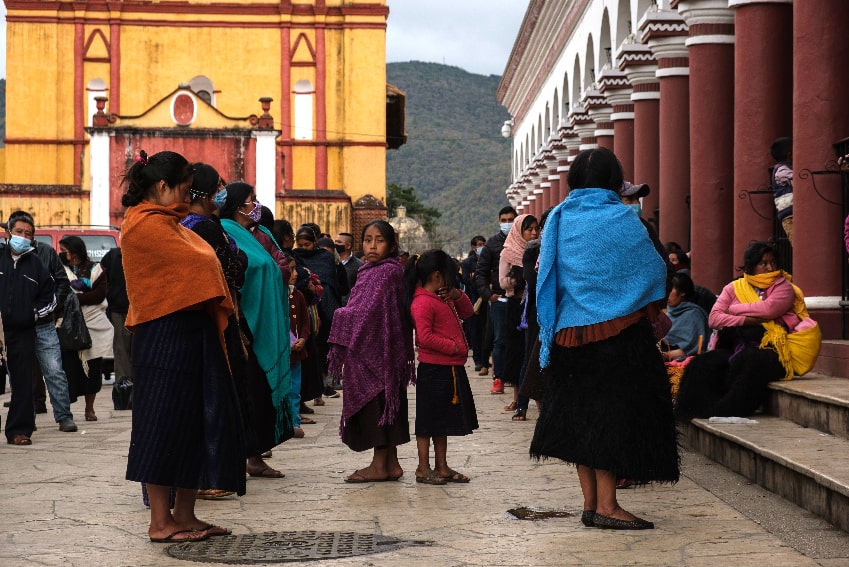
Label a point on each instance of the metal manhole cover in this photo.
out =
(525, 513)
(282, 547)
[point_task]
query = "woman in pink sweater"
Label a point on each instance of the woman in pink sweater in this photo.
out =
(732, 379)
(444, 402)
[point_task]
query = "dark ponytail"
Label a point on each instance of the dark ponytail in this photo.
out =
(139, 179)
(418, 269)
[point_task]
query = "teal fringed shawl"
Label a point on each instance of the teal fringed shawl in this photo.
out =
(596, 263)
(267, 315)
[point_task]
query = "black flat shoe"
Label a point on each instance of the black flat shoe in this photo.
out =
(588, 518)
(607, 522)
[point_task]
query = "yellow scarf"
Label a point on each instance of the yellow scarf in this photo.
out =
(797, 352)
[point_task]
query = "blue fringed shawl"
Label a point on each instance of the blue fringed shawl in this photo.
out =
(596, 263)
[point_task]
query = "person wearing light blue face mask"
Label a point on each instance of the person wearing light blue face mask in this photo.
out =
(486, 279)
(27, 295)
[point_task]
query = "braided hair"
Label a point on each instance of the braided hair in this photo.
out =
(140, 178)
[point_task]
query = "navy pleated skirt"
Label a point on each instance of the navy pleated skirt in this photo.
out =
(187, 428)
(608, 406)
(436, 413)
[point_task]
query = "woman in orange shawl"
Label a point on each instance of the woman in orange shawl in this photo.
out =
(186, 432)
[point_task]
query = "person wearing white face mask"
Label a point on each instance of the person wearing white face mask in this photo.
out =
(27, 295)
(486, 278)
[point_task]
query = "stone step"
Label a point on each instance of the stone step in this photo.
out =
(806, 466)
(814, 400)
(833, 359)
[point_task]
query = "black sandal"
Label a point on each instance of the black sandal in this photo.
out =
(520, 414)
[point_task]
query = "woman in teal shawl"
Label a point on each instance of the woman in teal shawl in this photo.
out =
(267, 317)
(607, 406)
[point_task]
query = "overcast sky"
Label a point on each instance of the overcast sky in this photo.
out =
(475, 35)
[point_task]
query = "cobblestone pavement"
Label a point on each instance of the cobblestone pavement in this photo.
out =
(64, 501)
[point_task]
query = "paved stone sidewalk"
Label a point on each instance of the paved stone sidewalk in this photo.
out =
(64, 501)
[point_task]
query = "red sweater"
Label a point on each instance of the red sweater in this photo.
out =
(438, 328)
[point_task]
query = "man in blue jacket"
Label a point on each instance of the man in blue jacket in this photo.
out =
(27, 296)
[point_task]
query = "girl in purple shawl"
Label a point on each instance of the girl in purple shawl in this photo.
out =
(371, 347)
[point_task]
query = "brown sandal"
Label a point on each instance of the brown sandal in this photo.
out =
(511, 406)
(20, 440)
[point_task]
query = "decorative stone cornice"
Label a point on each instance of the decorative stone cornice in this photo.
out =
(638, 63)
(612, 79)
(709, 21)
(657, 25)
(666, 33)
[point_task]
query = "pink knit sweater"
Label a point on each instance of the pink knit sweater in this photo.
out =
(438, 329)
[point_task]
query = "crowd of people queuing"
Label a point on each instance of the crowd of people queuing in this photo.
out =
(239, 320)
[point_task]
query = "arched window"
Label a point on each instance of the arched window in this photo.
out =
(304, 93)
(95, 88)
(202, 86)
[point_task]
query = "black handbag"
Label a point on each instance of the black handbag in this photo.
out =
(73, 333)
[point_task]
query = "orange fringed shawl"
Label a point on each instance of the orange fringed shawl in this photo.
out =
(169, 268)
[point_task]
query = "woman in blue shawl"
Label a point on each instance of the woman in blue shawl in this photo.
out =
(607, 405)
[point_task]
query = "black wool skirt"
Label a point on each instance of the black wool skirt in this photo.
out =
(362, 431)
(187, 430)
(436, 413)
(608, 406)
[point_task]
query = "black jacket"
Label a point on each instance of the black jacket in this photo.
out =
(54, 265)
(116, 286)
(486, 274)
(27, 291)
(468, 267)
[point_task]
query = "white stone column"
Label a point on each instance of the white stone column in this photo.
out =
(98, 198)
(266, 167)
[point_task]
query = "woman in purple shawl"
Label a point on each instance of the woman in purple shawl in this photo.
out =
(371, 347)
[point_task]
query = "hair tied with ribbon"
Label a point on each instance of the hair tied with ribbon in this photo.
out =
(142, 157)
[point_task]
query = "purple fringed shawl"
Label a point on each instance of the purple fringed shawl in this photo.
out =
(371, 344)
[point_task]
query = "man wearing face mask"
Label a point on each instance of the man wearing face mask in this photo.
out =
(486, 278)
(27, 297)
(474, 325)
(630, 194)
(345, 247)
(47, 349)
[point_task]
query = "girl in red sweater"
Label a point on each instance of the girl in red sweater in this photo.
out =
(444, 402)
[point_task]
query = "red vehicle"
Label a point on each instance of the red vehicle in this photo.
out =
(98, 239)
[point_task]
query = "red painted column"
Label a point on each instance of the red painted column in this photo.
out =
(616, 89)
(763, 97)
(639, 65)
(115, 68)
(567, 140)
(320, 109)
(285, 109)
(820, 118)
(711, 48)
(665, 33)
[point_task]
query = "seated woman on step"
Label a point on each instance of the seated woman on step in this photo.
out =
(765, 334)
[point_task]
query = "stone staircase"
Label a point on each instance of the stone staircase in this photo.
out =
(799, 448)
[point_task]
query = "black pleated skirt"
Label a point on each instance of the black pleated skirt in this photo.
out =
(608, 406)
(436, 413)
(187, 430)
(362, 431)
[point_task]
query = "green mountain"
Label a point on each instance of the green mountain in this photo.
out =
(455, 156)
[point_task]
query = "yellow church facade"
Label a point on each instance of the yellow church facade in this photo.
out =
(289, 96)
